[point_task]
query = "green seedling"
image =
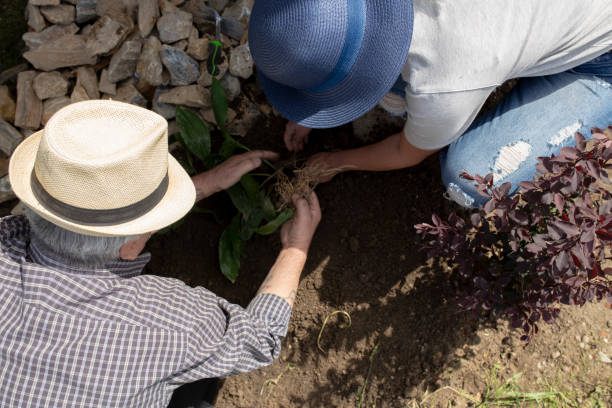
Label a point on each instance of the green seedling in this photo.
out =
(256, 213)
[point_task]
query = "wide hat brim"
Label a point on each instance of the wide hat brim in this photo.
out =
(383, 54)
(178, 200)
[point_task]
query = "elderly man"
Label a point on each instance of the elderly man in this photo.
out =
(79, 325)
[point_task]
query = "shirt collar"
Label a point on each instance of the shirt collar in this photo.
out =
(119, 268)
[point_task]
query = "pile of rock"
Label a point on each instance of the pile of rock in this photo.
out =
(150, 53)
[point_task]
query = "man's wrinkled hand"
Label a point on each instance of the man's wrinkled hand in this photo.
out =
(229, 172)
(296, 136)
(298, 232)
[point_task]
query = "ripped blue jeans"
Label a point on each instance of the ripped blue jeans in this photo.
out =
(537, 118)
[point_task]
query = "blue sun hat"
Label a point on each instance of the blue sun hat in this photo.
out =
(324, 63)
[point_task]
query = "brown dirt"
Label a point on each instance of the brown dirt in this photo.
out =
(364, 261)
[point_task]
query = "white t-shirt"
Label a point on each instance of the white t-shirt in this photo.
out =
(462, 49)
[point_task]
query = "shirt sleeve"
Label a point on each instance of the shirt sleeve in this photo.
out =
(227, 339)
(435, 120)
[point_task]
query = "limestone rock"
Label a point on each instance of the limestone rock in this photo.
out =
(197, 47)
(66, 51)
(73, 2)
(49, 34)
(149, 67)
(183, 69)
(79, 94)
(241, 62)
(7, 104)
(44, 2)
(194, 96)
(85, 10)
(128, 93)
(4, 165)
(108, 33)
(180, 45)
(163, 109)
(9, 138)
(106, 85)
(209, 115)
(148, 11)
(239, 11)
(86, 77)
(231, 84)
(218, 5)
(50, 85)
(110, 6)
(50, 106)
(205, 78)
(62, 14)
(167, 7)
(35, 20)
(28, 111)
(175, 26)
(6, 192)
(123, 63)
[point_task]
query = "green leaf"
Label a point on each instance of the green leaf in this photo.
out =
(251, 187)
(268, 208)
(240, 199)
(275, 223)
(219, 103)
(230, 249)
(194, 133)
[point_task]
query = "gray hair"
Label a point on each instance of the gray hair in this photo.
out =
(73, 248)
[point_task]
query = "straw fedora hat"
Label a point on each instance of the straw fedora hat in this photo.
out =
(102, 168)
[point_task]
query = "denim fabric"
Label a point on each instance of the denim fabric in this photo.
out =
(538, 118)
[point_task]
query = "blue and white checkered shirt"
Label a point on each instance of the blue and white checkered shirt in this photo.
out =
(75, 337)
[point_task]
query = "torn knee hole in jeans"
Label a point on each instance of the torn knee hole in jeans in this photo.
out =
(454, 193)
(565, 134)
(509, 159)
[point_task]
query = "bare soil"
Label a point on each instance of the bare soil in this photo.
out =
(365, 261)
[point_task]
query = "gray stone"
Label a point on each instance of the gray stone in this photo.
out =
(205, 78)
(35, 20)
(241, 62)
(50, 85)
(175, 26)
(62, 14)
(123, 63)
(50, 106)
(73, 2)
(183, 69)
(377, 121)
(194, 96)
(218, 5)
(166, 110)
(240, 11)
(87, 78)
(197, 47)
(9, 138)
(28, 111)
(167, 7)
(149, 67)
(104, 7)
(44, 2)
(231, 84)
(66, 51)
(128, 93)
(180, 45)
(19, 209)
(148, 11)
(6, 192)
(108, 33)
(33, 40)
(79, 94)
(86, 10)
(106, 85)
(7, 104)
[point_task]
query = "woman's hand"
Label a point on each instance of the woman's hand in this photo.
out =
(296, 136)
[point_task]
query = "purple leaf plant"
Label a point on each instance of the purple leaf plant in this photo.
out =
(549, 244)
